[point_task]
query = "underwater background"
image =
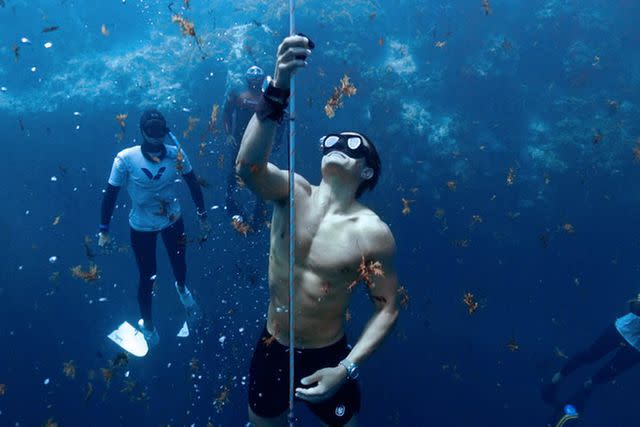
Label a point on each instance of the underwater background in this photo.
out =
(509, 128)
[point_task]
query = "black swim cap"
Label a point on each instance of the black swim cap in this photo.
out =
(153, 123)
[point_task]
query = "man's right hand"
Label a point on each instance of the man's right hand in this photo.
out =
(103, 239)
(293, 53)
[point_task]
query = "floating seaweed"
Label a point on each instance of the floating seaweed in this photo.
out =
(511, 177)
(121, 119)
(240, 226)
(335, 102)
(69, 369)
(104, 31)
(512, 345)
(3, 389)
(90, 275)
(193, 122)
(406, 210)
(16, 52)
(469, 300)
(50, 29)
(366, 270)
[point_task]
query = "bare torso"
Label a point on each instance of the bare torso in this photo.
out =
(329, 249)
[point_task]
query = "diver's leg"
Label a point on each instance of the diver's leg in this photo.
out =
(607, 342)
(175, 241)
(624, 359)
(144, 248)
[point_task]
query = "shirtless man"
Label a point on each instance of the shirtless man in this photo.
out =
(333, 234)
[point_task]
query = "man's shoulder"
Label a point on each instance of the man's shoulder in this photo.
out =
(128, 153)
(375, 230)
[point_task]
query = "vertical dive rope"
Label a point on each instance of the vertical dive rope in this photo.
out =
(292, 216)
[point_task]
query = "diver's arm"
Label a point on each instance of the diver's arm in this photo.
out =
(196, 193)
(108, 205)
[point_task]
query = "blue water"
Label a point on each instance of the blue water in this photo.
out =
(526, 88)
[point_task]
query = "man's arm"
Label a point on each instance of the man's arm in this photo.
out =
(265, 179)
(108, 204)
(383, 293)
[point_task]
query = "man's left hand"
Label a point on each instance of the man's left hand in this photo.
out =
(327, 380)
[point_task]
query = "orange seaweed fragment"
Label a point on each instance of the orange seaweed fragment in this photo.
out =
(104, 31)
(187, 28)
(469, 300)
(405, 206)
(180, 161)
(568, 228)
(452, 185)
(240, 226)
(511, 177)
(512, 345)
(69, 369)
(223, 397)
(3, 389)
(366, 269)
(51, 423)
(90, 275)
(120, 118)
(193, 122)
(335, 102)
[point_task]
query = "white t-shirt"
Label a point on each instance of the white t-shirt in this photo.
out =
(629, 328)
(151, 186)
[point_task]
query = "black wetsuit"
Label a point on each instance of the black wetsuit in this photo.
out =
(610, 341)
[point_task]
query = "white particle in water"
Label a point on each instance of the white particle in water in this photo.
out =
(48, 45)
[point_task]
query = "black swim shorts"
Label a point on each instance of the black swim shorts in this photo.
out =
(269, 380)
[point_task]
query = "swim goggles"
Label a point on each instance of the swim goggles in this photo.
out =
(351, 145)
(155, 128)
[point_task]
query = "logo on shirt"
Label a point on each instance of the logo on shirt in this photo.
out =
(151, 176)
(340, 410)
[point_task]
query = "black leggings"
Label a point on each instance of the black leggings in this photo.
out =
(624, 358)
(144, 247)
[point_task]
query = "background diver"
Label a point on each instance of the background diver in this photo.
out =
(149, 172)
(622, 339)
(239, 107)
